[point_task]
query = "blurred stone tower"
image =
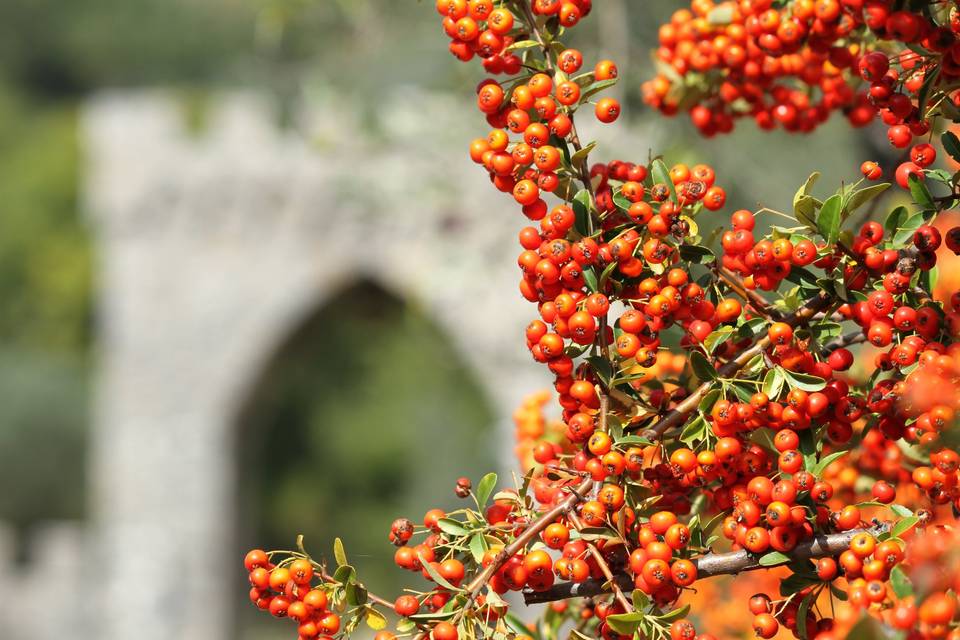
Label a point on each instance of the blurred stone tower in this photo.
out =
(212, 248)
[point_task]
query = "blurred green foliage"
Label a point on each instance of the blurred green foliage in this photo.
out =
(363, 416)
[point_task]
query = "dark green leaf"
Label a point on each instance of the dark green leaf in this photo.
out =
(661, 175)
(921, 195)
(709, 400)
(702, 367)
(794, 583)
(802, 615)
(895, 220)
(345, 574)
(951, 144)
(355, 594)
(696, 254)
(590, 277)
(906, 230)
(581, 210)
(601, 366)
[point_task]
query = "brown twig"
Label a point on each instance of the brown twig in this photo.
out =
(711, 564)
(604, 567)
(678, 414)
(755, 300)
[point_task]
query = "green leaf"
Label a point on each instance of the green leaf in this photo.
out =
(716, 338)
(582, 154)
(900, 582)
(521, 44)
(861, 196)
(640, 600)
(904, 525)
(895, 220)
(802, 615)
(676, 614)
(794, 583)
(803, 381)
(590, 277)
(345, 574)
(581, 209)
(866, 629)
(661, 175)
(516, 624)
(452, 527)
(625, 623)
(702, 367)
(923, 96)
(773, 558)
(355, 593)
(633, 440)
(825, 462)
(339, 553)
(804, 204)
(485, 488)
(434, 575)
(773, 383)
(921, 195)
(901, 510)
(906, 230)
(596, 87)
(695, 430)
(601, 366)
(478, 546)
(951, 144)
(828, 221)
(709, 400)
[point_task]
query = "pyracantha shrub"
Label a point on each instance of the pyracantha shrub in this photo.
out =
(772, 405)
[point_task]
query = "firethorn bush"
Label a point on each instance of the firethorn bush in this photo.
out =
(772, 405)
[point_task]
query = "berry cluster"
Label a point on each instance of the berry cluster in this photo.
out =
(716, 413)
(790, 64)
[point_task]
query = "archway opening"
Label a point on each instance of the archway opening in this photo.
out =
(364, 414)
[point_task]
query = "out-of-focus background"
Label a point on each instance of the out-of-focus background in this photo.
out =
(253, 286)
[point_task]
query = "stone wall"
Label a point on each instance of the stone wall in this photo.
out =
(212, 248)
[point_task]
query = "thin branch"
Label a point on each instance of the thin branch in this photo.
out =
(678, 415)
(759, 304)
(711, 564)
(604, 567)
